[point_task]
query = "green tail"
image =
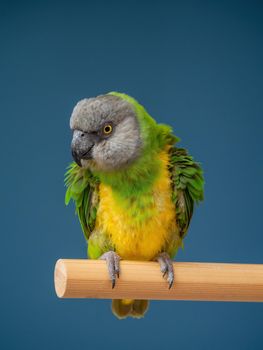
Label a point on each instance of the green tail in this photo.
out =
(123, 308)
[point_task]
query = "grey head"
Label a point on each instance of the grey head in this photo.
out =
(106, 133)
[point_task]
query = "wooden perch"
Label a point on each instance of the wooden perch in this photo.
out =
(143, 280)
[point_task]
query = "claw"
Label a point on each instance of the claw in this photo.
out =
(117, 264)
(170, 280)
(113, 264)
(166, 267)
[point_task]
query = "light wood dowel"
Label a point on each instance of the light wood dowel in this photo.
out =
(143, 280)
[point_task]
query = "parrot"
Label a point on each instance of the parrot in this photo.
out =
(134, 190)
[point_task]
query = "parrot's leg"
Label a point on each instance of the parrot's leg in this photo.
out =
(166, 266)
(113, 264)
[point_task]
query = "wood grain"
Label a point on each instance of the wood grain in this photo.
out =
(143, 280)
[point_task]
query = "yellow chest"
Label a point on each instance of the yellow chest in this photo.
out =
(139, 228)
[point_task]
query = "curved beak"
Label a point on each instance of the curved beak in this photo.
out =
(81, 146)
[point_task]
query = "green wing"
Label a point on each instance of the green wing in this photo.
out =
(187, 186)
(82, 188)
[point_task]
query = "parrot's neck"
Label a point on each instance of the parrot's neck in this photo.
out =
(138, 178)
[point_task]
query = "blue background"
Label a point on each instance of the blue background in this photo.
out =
(195, 65)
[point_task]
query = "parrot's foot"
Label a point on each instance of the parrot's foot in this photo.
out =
(166, 266)
(113, 263)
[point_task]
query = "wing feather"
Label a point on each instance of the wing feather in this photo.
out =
(187, 186)
(83, 190)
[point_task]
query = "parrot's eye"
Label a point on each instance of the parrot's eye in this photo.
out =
(107, 129)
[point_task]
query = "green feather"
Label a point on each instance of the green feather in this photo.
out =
(187, 186)
(82, 188)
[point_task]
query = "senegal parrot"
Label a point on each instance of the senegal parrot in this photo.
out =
(133, 188)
